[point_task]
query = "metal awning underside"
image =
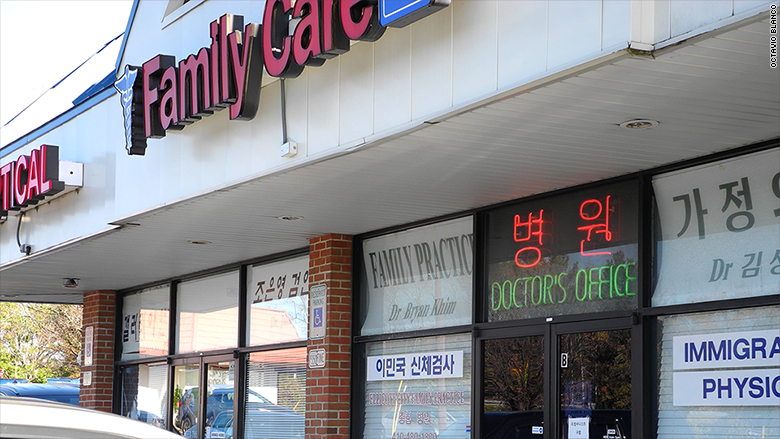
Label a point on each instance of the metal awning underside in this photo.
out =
(709, 94)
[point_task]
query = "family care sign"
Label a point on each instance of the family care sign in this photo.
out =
(164, 95)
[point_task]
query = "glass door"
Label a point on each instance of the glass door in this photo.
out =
(220, 383)
(203, 397)
(564, 382)
(595, 385)
(513, 390)
(186, 387)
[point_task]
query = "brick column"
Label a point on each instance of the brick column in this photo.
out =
(327, 389)
(99, 313)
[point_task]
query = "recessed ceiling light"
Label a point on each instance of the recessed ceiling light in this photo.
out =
(200, 242)
(70, 282)
(290, 218)
(638, 124)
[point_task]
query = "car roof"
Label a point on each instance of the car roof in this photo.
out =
(36, 389)
(27, 418)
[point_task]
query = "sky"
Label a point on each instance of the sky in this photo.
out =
(42, 41)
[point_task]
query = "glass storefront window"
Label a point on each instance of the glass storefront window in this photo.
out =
(220, 379)
(571, 253)
(207, 316)
(418, 279)
(186, 387)
(718, 231)
(276, 394)
(145, 317)
(719, 374)
(278, 298)
(419, 388)
(513, 374)
(144, 393)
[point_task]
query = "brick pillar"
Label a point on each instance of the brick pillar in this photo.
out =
(327, 395)
(99, 313)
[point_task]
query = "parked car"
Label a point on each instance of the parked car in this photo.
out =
(29, 418)
(270, 422)
(186, 416)
(260, 423)
(59, 392)
(219, 400)
(221, 427)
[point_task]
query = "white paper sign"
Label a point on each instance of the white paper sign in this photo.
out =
(579, 428)
(415, 366)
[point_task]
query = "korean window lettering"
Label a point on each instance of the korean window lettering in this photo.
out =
(700, 212)
(443, 364)
(776, 190)
(752, 267)
(432, 365)
(389, 367)
(737, 194)
(273, 289)
(753, 271)
(736, 206)
(535, 229)
(297, 278)
(593, 211)
(721, 269)
(419, 365)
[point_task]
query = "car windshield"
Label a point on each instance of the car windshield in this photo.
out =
(256, 398)
(222, 420)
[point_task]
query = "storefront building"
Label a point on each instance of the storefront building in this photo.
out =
(418, 220)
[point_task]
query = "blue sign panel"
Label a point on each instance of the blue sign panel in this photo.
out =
(399, 13)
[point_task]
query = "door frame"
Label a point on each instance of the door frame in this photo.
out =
(551, 330)
(202, 361)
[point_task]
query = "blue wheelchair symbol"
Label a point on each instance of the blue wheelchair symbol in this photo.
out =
(318, 320)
